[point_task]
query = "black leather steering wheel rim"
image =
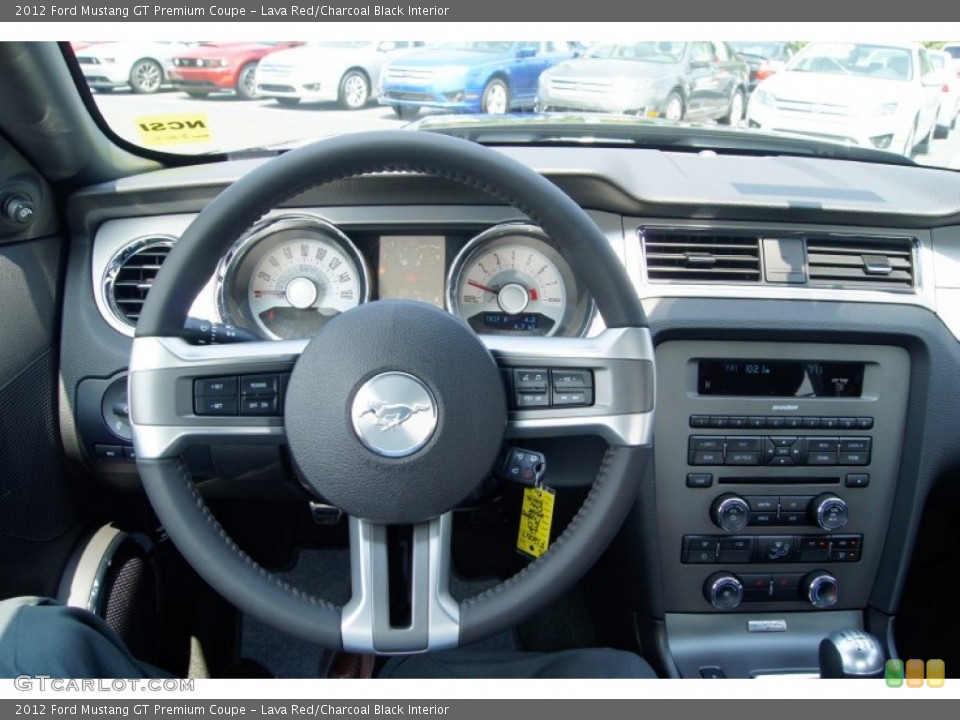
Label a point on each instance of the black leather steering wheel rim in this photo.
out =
(167, 481)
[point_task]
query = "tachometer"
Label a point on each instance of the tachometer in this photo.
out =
(511, 280)
(291, 275)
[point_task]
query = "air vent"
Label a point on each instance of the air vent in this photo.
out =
(865, 263)
(692, 257)
(130, 276)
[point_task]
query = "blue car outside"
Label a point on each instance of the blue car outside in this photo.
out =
(476, 77)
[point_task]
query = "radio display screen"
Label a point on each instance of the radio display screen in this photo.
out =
(780, 378)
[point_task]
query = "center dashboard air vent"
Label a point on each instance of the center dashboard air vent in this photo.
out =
(694, 257)
(130, 274)
(867, 263)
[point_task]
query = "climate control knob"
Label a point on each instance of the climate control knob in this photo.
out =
(723, 590)
(829, 511)
(730, 512)
(821, 588)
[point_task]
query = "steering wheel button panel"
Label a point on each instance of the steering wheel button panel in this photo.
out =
(258, 385)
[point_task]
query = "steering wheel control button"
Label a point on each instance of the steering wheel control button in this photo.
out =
(531, 379)
(533, 400)
(572, 397)
(258, 406)
(216, 387)
(394, 414)
(216, 406)
(572, 379)
(108, 453)
(258, 385)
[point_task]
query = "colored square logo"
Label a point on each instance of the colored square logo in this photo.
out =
(893, 673)
(914, 673)
(936, 672)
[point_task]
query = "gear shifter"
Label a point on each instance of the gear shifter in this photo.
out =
(851, 653)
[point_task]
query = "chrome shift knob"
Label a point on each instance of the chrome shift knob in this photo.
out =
(851, 653)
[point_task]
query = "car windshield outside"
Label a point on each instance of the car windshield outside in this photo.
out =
(898, 98)
(662, 52)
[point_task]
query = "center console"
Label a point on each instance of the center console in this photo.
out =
(776, 467)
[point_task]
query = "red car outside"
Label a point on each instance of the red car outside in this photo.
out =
(221, 67)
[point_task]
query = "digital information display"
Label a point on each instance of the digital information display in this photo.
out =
(413, 267)
(780, 378)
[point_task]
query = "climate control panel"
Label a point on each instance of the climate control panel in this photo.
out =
(734, 512)
(727, 591)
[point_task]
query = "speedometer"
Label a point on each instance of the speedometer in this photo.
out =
(291, 275)
(511, 280)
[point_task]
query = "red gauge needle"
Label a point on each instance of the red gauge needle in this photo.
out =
(482, 287)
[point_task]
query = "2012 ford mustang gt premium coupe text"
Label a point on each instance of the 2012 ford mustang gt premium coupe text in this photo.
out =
(514, 396)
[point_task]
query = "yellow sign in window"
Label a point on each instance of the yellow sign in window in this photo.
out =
(175, 129)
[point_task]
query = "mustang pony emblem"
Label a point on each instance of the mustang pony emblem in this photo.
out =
(391, 415)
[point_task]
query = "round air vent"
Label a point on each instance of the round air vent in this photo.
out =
(130, 274)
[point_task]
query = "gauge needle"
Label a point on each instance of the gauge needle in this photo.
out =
(268, 293)
(482, 287)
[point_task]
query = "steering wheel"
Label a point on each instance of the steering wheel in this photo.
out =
(418, 357)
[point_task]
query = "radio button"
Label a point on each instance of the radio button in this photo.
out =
(699, 421)
(762, 503)
(792, 422)
(705, 458)
(719, 421)
(738, 422)
(783, 441)
(744, 444)
(864, 423)
(699, 480)
(855, 444)
(810, 423)
(743, 458)
(854, 458)
(757, 422)
(709, 442)
(781, 461)
(822, 444)
(795, 503)
(857, 480)
(775, 422)
(821, 458)
(829, 423)
(848, 423)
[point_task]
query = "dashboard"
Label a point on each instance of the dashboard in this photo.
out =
(806, 331)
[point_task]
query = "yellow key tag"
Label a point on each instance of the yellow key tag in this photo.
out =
(536, 516)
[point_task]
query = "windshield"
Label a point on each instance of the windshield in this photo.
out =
(880, 101)
(862, 60)
(664, 52)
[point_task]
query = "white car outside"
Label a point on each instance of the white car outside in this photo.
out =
(137, 65)
(346, 72)
(949, 92)
(884, 96)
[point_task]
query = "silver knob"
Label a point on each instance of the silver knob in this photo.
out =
(821, 588)
(723, 590)
(829, 511)
(730, 512)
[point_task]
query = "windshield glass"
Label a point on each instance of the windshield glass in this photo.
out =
(839, 99)
(665, 52)
(862, 60)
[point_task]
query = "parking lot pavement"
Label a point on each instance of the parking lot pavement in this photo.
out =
(235, 124)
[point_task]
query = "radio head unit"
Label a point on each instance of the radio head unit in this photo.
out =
(779, 378)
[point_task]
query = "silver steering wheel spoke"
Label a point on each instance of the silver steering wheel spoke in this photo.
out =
(165, 410)
(433, 618)
(617, 407)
